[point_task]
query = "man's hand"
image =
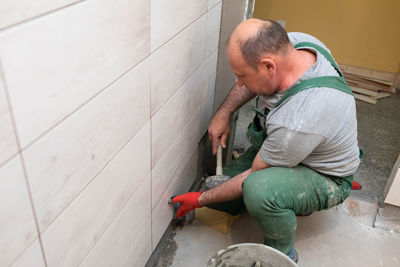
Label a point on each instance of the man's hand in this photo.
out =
(218, 130)
(188, 201)
(219, 127)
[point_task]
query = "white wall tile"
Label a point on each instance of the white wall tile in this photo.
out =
(168, 122)
(393, 195)
(168, 17)
(14, 11)
(181, 148)
(68, 240)
(17, 226)
(225, 79)
(32, 256)
(213, 74)
(8, 142)
(162, 213)
(140, 251)
(213, 26)
(212, 3)
(206, 113)
(62, 162)
(55, 63)
(127, 242)
(232, 14)
(174, 62)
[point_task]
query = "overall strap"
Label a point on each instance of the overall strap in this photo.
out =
(322, 50)
(335, 82)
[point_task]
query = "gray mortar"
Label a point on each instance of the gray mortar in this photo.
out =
(247, 254)
(164, 253)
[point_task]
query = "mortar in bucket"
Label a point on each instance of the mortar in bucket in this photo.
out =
(250, 255)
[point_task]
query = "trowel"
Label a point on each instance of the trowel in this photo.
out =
(219, 178)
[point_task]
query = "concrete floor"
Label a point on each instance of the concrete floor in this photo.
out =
(341, 236)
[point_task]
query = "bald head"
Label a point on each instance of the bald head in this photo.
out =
(255, 38)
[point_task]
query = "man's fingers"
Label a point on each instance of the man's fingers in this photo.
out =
(223, 140)
(215, 145)
(180, 213)
(177, 199)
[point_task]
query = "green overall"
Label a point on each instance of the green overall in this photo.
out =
(275, 195)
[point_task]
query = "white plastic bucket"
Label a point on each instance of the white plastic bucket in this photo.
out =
(248, 255)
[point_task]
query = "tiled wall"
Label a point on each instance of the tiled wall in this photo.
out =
(102, 106)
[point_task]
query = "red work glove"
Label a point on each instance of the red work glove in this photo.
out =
(356, 185)
(188, 202)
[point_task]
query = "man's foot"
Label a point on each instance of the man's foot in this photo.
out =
(293, 255)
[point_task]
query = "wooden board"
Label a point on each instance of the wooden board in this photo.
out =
(380, 95)
(378, 80)
(365, 98)
(367, 82)
(389, 90)
(364, 91)
(361, 85)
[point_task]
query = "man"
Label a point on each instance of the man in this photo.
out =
(310, 149)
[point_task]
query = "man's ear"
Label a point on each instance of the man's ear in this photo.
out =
(268, 64)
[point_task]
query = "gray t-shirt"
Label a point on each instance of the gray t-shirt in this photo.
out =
(316, 127)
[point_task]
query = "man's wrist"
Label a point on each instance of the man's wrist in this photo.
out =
(225, 112)
(200, 200)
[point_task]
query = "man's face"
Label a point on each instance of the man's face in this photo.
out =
(259, 82)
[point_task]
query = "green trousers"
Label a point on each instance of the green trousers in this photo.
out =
(274, 196)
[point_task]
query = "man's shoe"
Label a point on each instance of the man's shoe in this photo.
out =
(293, 255)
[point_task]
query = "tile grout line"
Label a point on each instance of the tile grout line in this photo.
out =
(2, 75)
(180, 84)
(173, 180)
(176, 34)
(151, 147)
(21, 253)
(174, 141)
(170, 183)
(9, 159)
(65, 117)
(94, 176)
(114, 219)
(205, 34)
(205, 57)
(200, 65)
(24, 21)
(218, 46)
(110, 84)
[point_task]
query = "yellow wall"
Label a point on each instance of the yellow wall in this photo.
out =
(363, 33)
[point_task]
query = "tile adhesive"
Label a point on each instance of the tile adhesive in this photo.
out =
(250, 255)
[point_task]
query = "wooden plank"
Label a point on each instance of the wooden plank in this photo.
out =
(380, 95)
(366, 82)
(383, 75)
(364, 91)
(373, 79)
(389, 90)
(364, 86)
(365, 98)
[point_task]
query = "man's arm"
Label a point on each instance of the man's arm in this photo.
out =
(232, 188)
(219, 127)
(229, 190)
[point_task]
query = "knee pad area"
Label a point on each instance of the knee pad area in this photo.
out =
(259, 192)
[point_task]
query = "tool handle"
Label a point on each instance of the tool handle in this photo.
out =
(219, 160)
